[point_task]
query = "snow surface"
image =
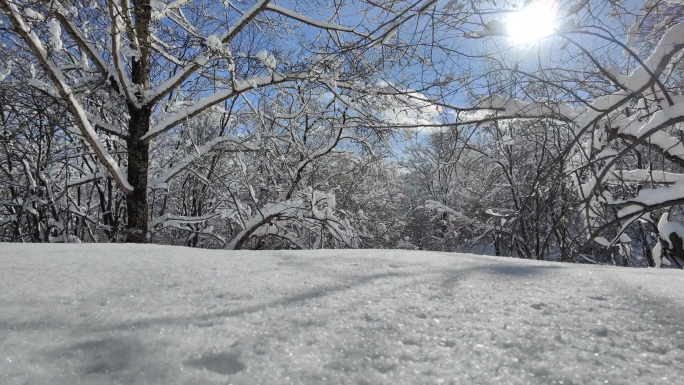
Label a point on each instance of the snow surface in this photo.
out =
(107, 314)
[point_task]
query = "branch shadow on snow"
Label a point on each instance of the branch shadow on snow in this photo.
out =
(519, 270)
(206, 317)
(109, 356)
(109, 349)
(453, 276)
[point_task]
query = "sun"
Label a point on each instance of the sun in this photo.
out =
(533, 22)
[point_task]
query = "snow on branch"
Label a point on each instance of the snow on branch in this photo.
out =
(633, 129)
(115, 31)
(106, 127)
(585, 117)
(639, 80)
(86, 46)
(307, 20)
(174, 82)
(653, 126)
(287, 208)
(651, 199)
(390, 28)
(518, 109)
(74, 107)
(669, 147)
(166, 219)
(245, 19)
(644, 176)
(313, 209)
(197, 154)
(203, 104)
(160, 10)
(85, 179)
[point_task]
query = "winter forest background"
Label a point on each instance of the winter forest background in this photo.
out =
(434, 125)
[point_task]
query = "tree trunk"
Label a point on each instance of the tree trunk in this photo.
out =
(138, 165)
(139, 124)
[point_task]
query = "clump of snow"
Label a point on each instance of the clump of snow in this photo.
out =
(261, 55)
(127, 50)
(496, 27)
(157, 5)
(657, 254)
(602, 241)
(624, 238)
(492, 213)
(213, 42)
(55, 31)
(569, 25)
(577, 7)
(145, 314)
(33, 15)
(268, 60)
(666, 227)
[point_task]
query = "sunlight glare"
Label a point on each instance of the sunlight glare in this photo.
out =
(531, 23)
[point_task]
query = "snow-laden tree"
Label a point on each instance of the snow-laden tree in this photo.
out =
(447, 189)
(47, 185)
(610, 72)
(288, 172)
(30, 151)
(134, 71)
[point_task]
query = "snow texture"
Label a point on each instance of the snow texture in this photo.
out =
(105, 314)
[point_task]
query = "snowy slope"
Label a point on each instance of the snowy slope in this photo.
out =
(123, 314)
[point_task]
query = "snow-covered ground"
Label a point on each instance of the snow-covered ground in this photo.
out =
(124, 314)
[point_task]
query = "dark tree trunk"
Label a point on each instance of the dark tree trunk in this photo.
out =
(138, 165)
(139, 124)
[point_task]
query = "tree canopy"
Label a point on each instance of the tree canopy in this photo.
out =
(538, 129)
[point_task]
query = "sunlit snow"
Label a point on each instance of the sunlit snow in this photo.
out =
(106, 314)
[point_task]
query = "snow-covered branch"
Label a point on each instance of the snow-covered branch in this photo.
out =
(161, 10)
(307, 20)
(115, 32)
(79, 114)
(203, 104)
(174, 82)
(87, 47)
(199, 152)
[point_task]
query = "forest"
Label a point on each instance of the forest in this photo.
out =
(545, 130)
